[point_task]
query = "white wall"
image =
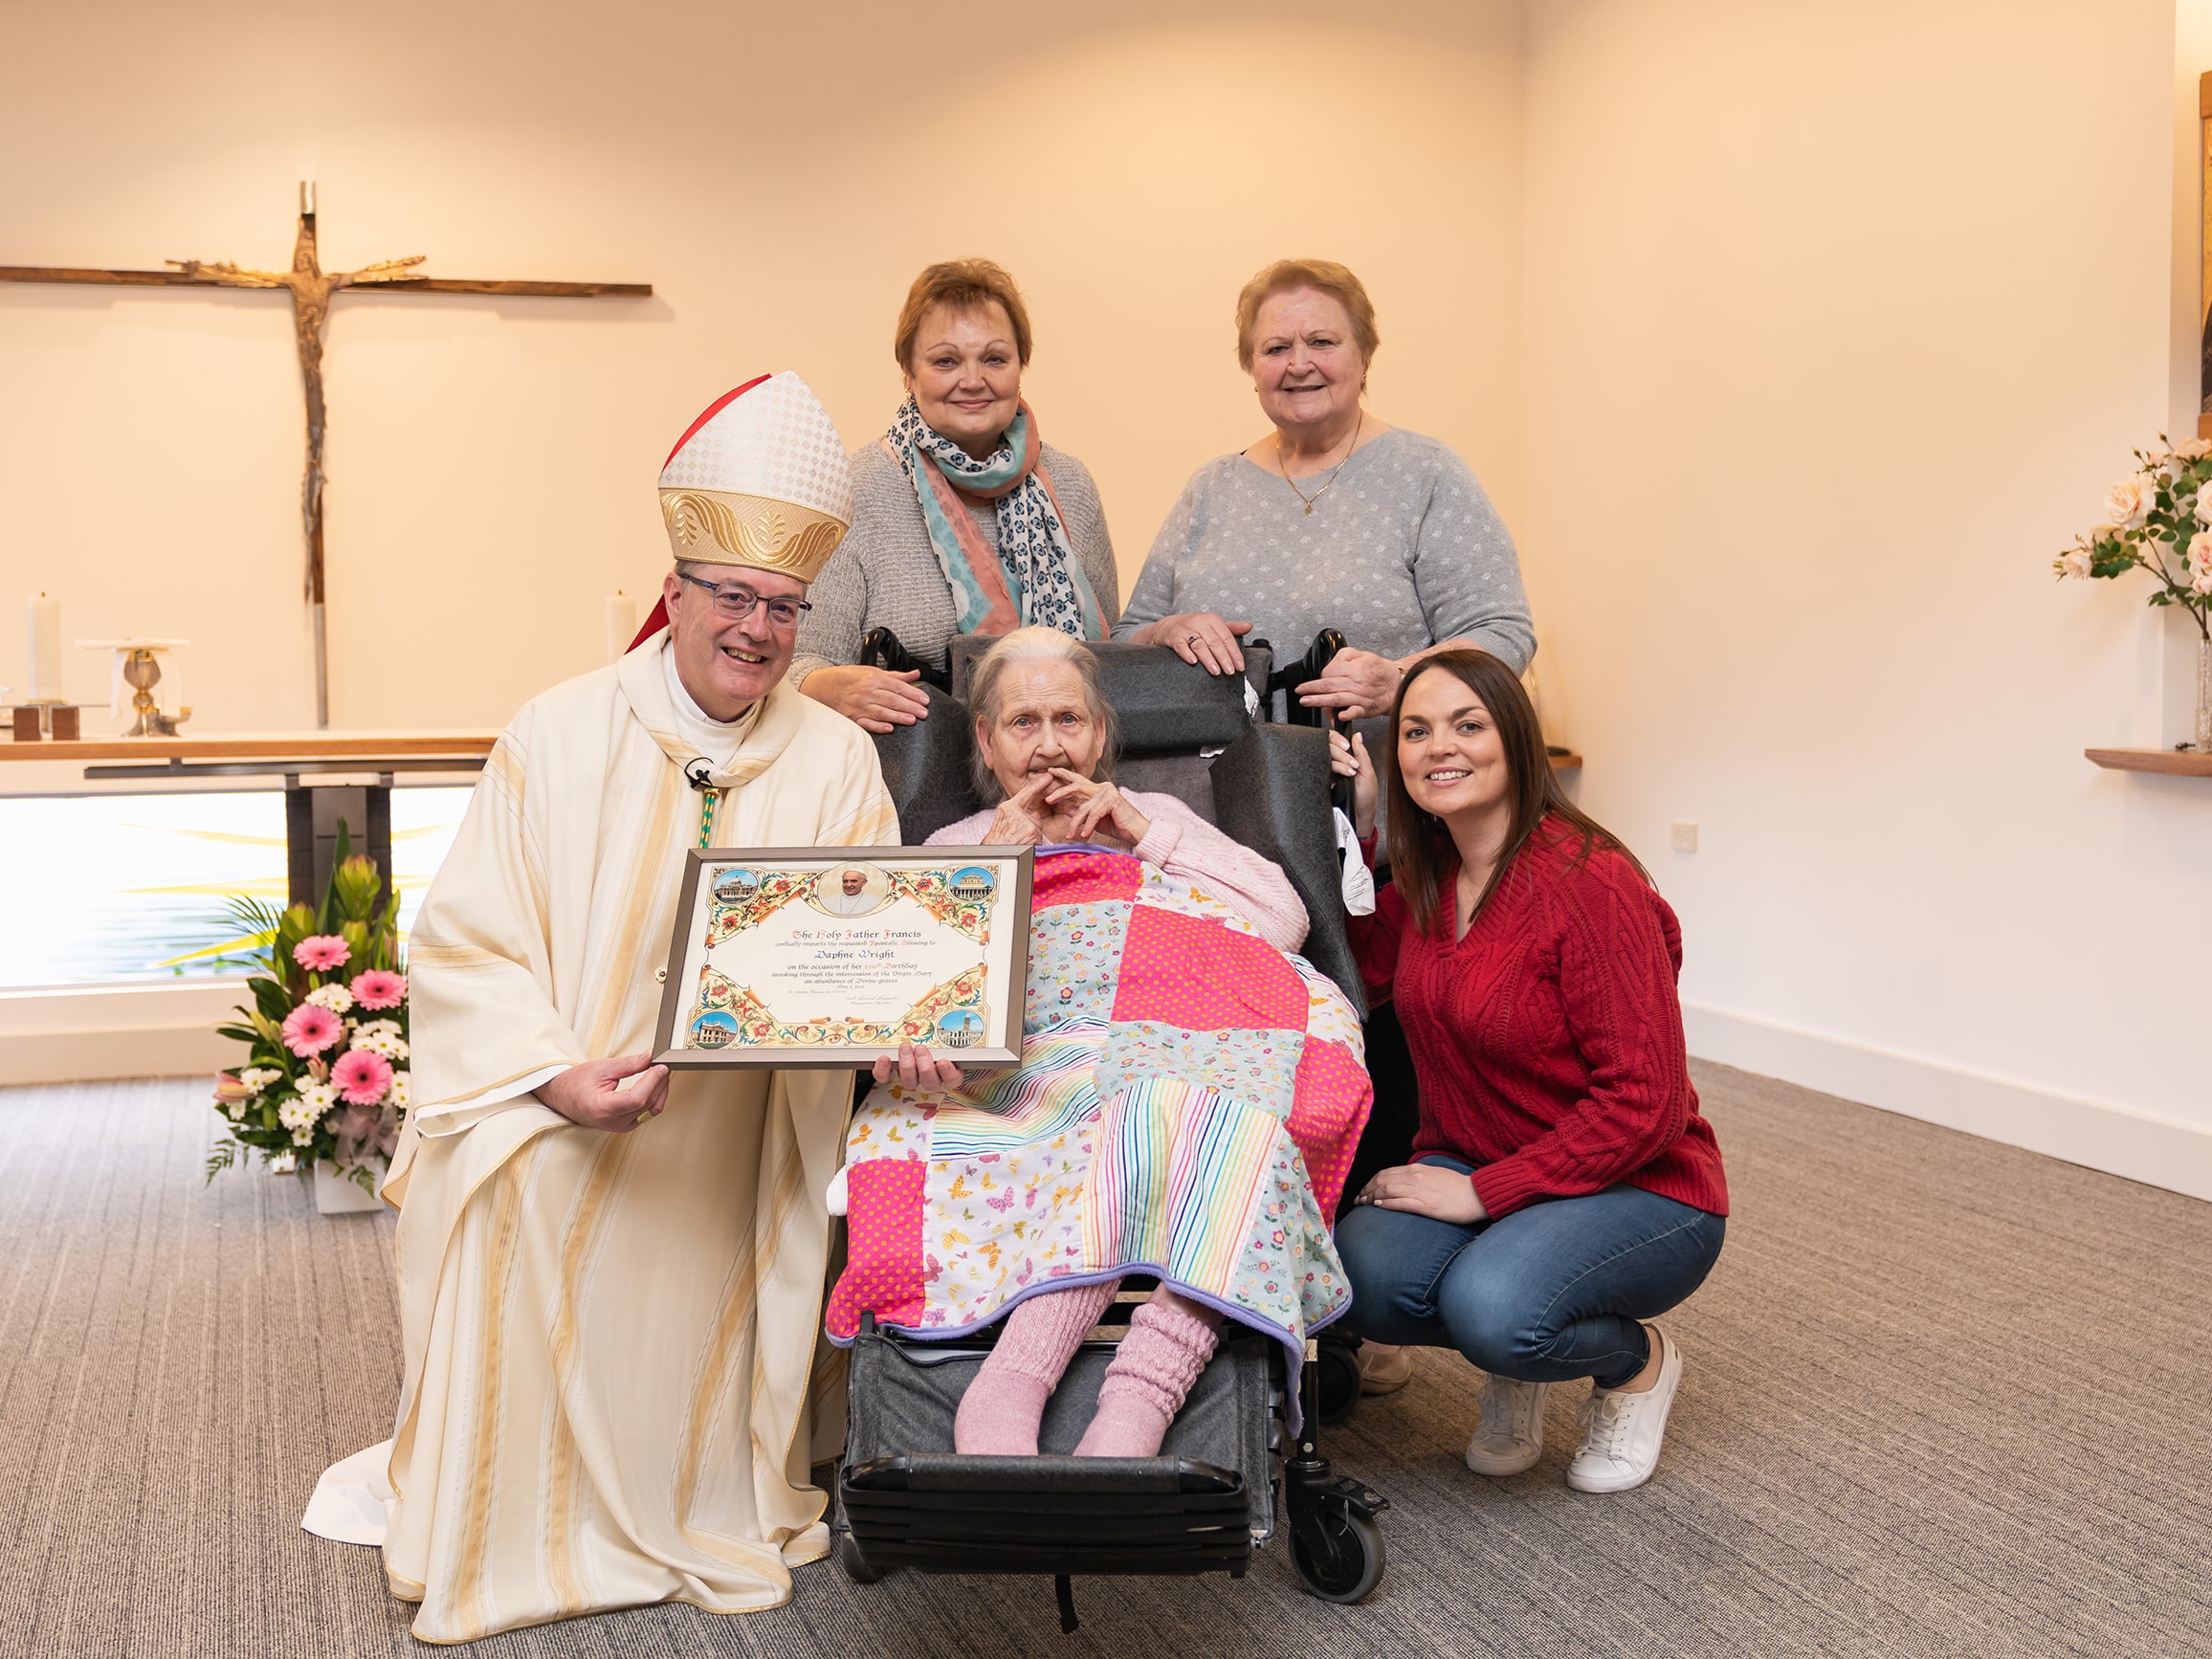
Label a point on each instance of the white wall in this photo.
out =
(1840, 316)
(778, 174)
(1793, 340)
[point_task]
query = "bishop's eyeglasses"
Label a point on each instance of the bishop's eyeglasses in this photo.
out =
(737, 602)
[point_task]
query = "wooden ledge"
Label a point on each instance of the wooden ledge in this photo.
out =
(2172, 762)
(306, 746)
(1567, 763)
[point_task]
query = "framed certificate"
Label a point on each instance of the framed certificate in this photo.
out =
(798, 957)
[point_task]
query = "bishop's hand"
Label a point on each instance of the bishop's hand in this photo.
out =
(592, 1094)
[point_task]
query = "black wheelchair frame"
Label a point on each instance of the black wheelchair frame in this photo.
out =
(1230, 1467)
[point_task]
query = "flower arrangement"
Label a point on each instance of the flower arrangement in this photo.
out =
(327, 1036)
(2158, 518)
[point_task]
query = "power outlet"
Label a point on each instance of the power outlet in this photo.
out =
(1685, 836)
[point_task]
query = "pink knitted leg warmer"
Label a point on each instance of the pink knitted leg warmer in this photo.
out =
(1145, 1387)
(1000, 1412)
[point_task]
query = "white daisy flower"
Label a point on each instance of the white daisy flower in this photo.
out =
(401, 1088)
(381, 1038)
(334, 997)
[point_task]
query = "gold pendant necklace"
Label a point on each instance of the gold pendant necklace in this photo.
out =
(1339, 466)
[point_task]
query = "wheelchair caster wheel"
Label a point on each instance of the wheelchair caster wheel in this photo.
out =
(1339, 1366)
(855, 1563)
(1352, 1544)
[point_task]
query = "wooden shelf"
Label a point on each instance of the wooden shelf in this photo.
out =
(1569, 763)
(2170, 762)
(259, 745)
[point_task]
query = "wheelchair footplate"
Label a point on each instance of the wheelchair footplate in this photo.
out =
(942, 1513)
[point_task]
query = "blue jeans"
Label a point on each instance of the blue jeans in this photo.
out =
(1552, 1292)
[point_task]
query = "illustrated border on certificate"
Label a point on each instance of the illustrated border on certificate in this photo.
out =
(998, 1044)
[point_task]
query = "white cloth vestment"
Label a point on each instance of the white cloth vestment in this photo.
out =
(611, 1340)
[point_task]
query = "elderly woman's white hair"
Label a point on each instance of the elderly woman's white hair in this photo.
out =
(1036, 645)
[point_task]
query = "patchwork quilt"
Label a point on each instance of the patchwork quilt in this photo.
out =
(1187, 1105)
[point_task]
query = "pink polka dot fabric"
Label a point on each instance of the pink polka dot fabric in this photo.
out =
(1187, 971)
(1079, 878)
(883, 1264)
(1329, 1074)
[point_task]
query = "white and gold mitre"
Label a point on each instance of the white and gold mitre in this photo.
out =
(760, 479)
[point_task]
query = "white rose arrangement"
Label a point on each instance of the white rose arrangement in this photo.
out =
(2159, 519)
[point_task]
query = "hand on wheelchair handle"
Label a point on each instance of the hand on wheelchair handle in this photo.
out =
(1203, 638)
(1356, 684)
(1348, 758)
(873, 699)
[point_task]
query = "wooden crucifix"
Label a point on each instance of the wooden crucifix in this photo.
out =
(311, 288)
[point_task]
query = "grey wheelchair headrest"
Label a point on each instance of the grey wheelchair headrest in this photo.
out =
(1166, 706)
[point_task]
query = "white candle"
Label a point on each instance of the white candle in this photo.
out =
(621, 624)
(44, 631)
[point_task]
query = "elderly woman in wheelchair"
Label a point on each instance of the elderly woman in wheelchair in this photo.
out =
(1186, 1107)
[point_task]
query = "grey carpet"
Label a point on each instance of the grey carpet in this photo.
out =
(1942, 1397)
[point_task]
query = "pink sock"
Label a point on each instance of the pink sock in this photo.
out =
(1000, 1412)
(1145, 1387)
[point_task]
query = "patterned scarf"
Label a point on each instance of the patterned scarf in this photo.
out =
(1035, 578)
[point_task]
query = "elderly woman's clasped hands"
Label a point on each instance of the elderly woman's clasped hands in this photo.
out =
(1059, 805)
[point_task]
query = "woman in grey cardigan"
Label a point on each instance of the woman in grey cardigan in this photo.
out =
(964, 520)
(1333, 519)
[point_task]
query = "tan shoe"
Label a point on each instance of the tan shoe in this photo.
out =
(1384, 1370)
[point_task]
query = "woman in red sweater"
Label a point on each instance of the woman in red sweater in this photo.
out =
(1565, 1189)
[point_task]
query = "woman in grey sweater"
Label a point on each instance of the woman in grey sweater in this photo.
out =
(1333, 519)
(964, 520)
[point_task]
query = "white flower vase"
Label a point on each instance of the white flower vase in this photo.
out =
(337, 1194)
(2202, 742)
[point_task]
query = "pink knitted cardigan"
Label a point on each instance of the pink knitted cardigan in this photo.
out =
(1183, 844)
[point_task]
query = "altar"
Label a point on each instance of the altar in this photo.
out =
(328, 778)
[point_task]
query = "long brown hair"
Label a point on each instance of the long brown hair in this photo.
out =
(1420, 842)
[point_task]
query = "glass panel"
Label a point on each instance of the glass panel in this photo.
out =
(110, 888)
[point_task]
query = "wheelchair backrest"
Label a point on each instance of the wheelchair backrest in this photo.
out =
(1183, 732)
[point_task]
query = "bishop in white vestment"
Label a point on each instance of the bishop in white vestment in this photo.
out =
(610, 1278)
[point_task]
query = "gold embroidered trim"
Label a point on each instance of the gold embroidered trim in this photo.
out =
(607, 1166)
(470, 1594)
(750, 530)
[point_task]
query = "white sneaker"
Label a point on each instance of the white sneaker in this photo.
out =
(1510, 1438)
(1622, 1432)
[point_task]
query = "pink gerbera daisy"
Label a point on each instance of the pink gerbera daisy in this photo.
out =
(310, 1029)
(362, 1077)
(321, 952)
(378, 989)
